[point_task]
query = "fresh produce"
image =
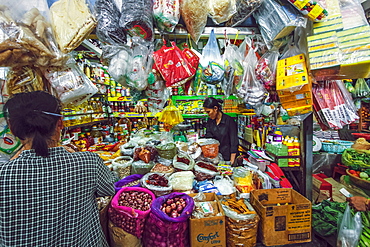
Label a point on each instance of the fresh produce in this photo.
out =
(135, 200)
(365, 235)
(237, 205)
(174, 207)
(358, 172)
(359, 158)
(157, 180)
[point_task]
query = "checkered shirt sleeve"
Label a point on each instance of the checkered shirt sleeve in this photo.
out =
(52, 201)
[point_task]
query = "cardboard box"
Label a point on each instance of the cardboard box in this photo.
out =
(288, 223)
(210, 231)
(321, 189)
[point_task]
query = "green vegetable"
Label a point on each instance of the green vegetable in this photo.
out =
(364, 175)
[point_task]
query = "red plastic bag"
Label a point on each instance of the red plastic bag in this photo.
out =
(174, 67)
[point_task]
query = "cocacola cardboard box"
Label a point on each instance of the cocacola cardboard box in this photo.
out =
(285, 216)
(210, 231)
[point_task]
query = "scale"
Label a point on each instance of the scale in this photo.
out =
(179, 132)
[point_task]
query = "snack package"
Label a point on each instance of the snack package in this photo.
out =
(312, 9)
(72, 23)
(26, 36)
(195, 15)
(244, 8)
(221, 10)
(213, 66)
(108, 29)
(166, 14)
(70, 83)
(137, 19)
(24, 79)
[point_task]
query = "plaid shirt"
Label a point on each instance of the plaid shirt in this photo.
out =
(52, 201)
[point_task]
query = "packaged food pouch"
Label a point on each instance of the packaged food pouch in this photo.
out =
(136, 18)
(221, 10)
(266, 67)
(108, 29)
(70, 83)
(24, 79)
(173, 66)
(26, 36)
(212, 63)
(72, 23)
(244, 8)
(361, 88)
(166, 14)
(209, 147)
(170, 115)
(195, 15)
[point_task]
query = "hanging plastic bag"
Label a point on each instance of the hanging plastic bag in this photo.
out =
(266, 68)
(70, 83)
(244, 8)
(72, 22)
(234, 70)
(350, 228)
(251, 91)
(26, 36)
(170, 115)
(212, 63)
(362, 90)
(108, 29)
(119, 61)
(157, 92)
(166, 14)
(221, 10)
(24, 79)
(136, 18)
(194, 13)
(173, 66)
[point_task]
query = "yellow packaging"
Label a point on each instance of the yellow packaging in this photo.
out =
(291, 72)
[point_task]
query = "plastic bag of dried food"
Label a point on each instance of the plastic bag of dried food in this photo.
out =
(209, 147)
(119, 61)
(167, 150)
(183, 162)
(203, 171)
(221, 10)
(266, 68)
(157, 183)
(70, 83)
(26, 36)
(24, 79)
(166, 14)
(137, 18)
(108, 29)
(140, 167)
(195, 13)
(212, 63)
(244, 8)
(72, 22)
(234, 70)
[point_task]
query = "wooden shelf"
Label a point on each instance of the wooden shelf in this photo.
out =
(86, 124)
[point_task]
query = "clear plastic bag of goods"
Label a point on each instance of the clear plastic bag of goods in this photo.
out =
(182, 181)
(213, 70)
(167, 150)
(244, 9)
(183, 162)
(24, 79)
(234, 70)
(108, 29)
(277, 20)
(145, 153)
(214, 161)
(130, 208)
(266, 67)
(224, 185)
(241, 222)
(156, 182)
(129, 181)
(137, 18)
(137, 73)
(161, 168)
(70, 83)
(26, 36)
(166, 14)
(221, 10)
(209, 147)
(122, 165)
(141, 167)
(204, 171)
(168, 223)
(195, 15)
(72, 23)
(349, 229)
(118, 59)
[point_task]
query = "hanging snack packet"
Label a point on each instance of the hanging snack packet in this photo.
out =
(166, 14)
(212, 63)
(195, 13)
(137, 18)
(108, 16)
(221, 10)
(72, 22)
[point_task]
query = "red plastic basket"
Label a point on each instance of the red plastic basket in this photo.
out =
(363, 135)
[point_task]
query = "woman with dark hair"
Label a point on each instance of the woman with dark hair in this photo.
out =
(47, 194)
(222, 128)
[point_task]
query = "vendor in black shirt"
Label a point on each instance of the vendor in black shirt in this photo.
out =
(222, 128)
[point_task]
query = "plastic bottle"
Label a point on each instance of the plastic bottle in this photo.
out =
(278, 136)
(297, 151)
(97, 135)
(291, 151)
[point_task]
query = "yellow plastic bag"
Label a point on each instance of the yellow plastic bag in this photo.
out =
(170, 115)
